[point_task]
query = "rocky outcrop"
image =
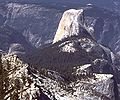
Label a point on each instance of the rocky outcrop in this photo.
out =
(38, 23)
(17, 82)
(95, 77)
(75, 45)
(69, 24)
(26, 83)
(16, 49)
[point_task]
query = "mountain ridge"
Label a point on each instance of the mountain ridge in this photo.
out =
(75, 66)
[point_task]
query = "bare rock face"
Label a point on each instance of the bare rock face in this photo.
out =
(69, 24)
(16, 48)
(93, 86)
(25, 83)
(17, 81)
(35, 21)
(38, 24)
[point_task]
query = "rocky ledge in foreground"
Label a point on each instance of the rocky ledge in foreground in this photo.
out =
(19, 81)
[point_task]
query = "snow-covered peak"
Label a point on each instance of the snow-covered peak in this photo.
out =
(69, 24)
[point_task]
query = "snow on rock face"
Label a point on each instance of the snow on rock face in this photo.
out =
(69, 24)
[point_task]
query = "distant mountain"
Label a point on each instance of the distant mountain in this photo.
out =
(107, 4)
(78, 60)
(38, 23)
(97, 2)
(35, 23)
(13, 42)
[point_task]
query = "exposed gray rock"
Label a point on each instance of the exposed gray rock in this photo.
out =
(36, 22)
(34, 85)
